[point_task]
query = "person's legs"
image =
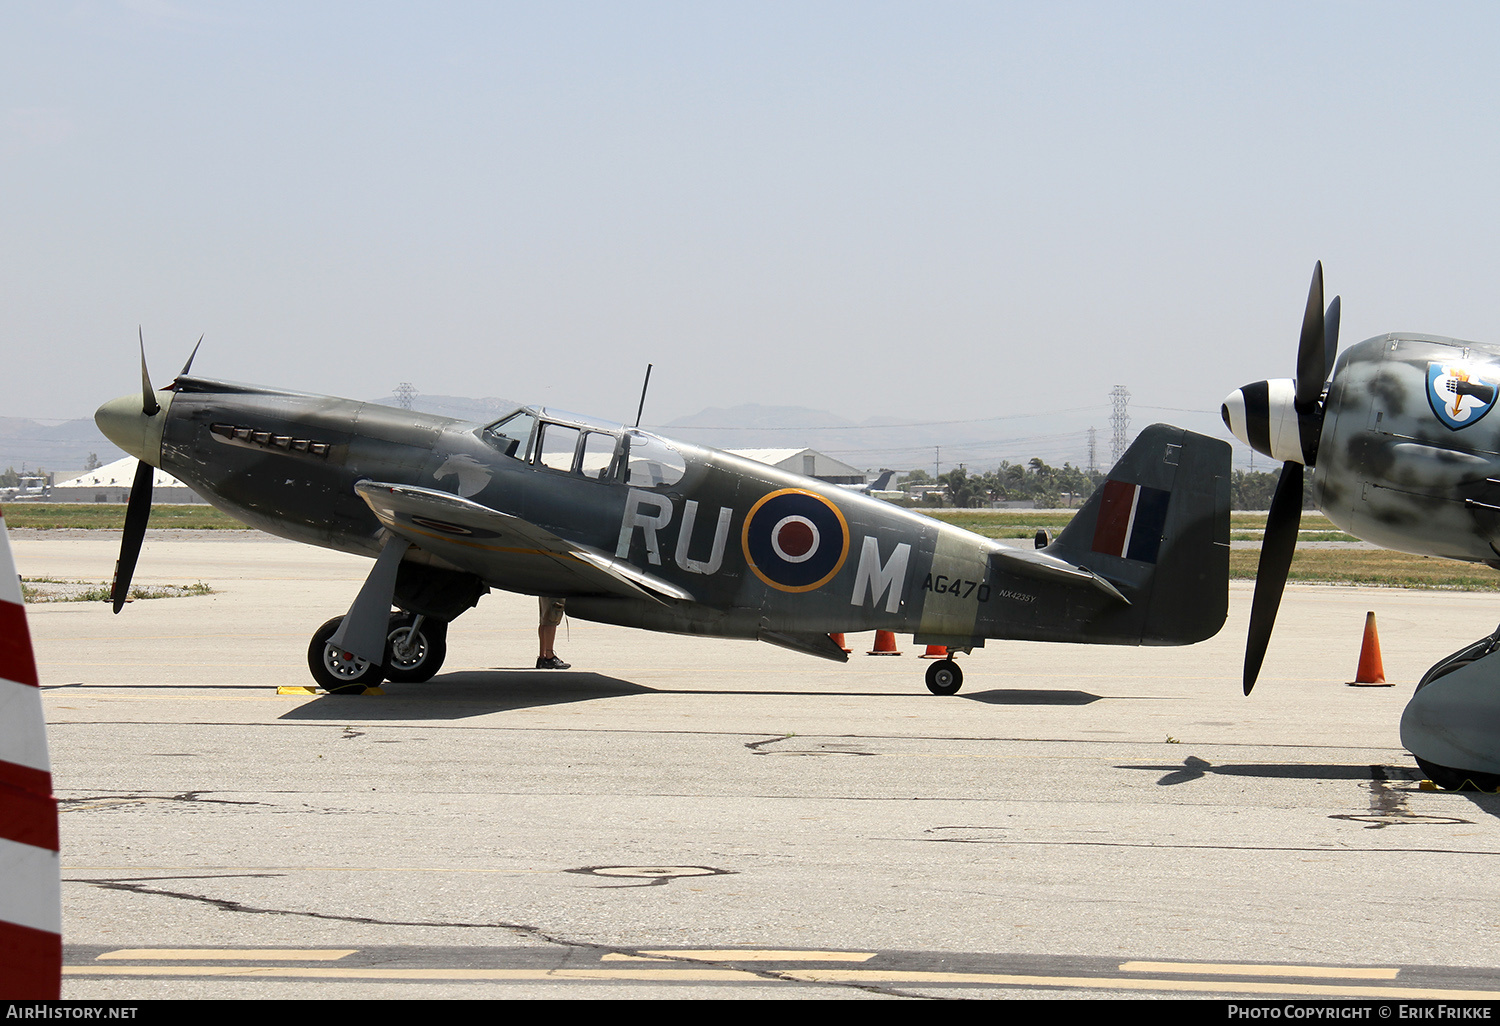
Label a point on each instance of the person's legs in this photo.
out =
(551, 610)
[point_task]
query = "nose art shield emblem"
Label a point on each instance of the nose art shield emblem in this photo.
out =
(1458, 395)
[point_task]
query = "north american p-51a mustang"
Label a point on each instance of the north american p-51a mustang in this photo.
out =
(1403, 455)
(631, 528)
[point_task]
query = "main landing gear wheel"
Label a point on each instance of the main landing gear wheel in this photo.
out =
(414, 648)
(944, 677)
(337, 672)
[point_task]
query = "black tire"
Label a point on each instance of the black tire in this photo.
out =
(426, 660)
(339, 673)
(944, 677)
(1459, 780)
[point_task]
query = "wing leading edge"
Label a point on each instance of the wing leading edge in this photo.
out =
(505, 550)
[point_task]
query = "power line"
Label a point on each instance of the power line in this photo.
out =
(860, 427)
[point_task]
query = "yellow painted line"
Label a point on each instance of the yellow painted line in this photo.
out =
(863, 976)
(1138, 983)
(245, 954)
(768, 955)
(1232, 969)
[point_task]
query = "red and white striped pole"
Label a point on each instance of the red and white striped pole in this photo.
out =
(30, 887)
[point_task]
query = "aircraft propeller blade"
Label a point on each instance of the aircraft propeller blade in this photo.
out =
(149, 406)
(1312, 365)
(1330, 334)
(185, 367)
(136, 514)
(1276, 552)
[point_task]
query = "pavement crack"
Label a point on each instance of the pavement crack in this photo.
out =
(104, 800)
(142, 886)
(138, 885)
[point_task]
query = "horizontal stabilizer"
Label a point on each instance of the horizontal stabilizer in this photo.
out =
(1041, 566)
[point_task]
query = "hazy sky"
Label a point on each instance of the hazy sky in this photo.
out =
(923, 211)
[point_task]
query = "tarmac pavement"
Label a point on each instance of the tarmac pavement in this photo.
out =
(689, 817)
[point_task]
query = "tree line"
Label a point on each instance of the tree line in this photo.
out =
(1049, 487)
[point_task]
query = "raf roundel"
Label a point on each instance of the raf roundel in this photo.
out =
(795, 540)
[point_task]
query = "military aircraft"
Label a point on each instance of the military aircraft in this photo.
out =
(1400, 458)
(876, 485)
(634, 529)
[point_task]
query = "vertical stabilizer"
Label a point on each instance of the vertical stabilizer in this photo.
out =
(1158, 530)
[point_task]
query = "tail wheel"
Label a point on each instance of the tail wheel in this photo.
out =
(336, 671)
(944, 677)
(414, 651)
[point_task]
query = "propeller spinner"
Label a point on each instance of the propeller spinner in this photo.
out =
(1283, 419)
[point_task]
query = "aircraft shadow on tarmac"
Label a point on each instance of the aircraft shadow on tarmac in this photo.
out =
(453, 696)
(1194, 768)
(1031, 696)
(477, 692)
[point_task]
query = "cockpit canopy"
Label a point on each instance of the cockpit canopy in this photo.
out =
(597, 450)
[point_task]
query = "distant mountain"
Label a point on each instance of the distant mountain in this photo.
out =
(52, 445)
(889, 441)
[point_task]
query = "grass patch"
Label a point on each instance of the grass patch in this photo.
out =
(110, 516)
(1374, 567)
(36, 590)
(1024, 523)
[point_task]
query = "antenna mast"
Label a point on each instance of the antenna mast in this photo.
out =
(639, 409)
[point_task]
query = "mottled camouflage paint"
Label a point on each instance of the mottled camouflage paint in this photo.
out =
(1390, 471)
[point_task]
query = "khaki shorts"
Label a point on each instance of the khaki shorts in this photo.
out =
(551, 610)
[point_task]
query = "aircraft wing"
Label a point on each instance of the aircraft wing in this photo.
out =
(506, 551)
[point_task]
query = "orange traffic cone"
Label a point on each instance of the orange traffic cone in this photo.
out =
(838, 639)
(935, 652)
(885, 644)
(1371, 670)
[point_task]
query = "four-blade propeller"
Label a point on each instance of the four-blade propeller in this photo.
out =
(1284, 419)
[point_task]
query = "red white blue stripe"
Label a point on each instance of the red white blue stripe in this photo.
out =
(1131, 520)
(30, 888)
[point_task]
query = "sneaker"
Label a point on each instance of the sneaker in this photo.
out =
(551, 663)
